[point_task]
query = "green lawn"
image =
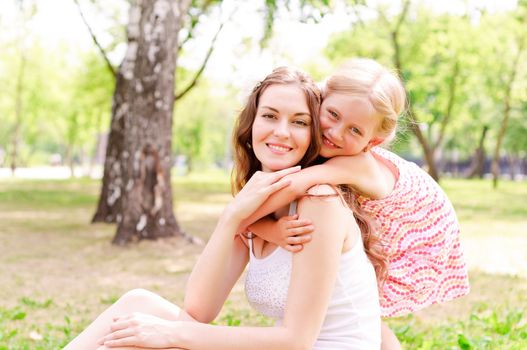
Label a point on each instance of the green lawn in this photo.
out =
(59, 271)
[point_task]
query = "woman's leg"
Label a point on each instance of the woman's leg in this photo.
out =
(388, 339)
(137, 300)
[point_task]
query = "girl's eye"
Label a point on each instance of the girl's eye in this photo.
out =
(268, 116)
(333, 114)
(356, 131)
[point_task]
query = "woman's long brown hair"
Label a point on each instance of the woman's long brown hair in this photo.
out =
(373, 245)
(245, 161)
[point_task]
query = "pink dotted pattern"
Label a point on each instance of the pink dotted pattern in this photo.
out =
(420, 231)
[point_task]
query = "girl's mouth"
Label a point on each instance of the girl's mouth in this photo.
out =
(328, 143)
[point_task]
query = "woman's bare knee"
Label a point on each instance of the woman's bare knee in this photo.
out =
(145, 301)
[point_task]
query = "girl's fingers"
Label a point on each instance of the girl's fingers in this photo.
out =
(289, 218)
(294, 248)
(298, 223)
(302, 230)
(299, 240)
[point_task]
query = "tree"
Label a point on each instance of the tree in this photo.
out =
(518, 44)
(152, 53)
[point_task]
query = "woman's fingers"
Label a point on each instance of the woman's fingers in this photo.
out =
(123, 333)
(128, 341)
(277, 186)
(277, 175)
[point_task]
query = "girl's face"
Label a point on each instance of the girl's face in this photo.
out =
(281, 131)
(348, 125)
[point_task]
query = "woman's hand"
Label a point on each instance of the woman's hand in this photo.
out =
(260, 186)
(141, 330)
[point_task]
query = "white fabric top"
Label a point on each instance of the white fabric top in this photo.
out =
(353, 318)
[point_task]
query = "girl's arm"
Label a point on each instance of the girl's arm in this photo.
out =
(361, 171)
(288, 232)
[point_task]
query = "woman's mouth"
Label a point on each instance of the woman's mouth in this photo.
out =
(278, 148)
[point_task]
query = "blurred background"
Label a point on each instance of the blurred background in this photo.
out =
(64, 65)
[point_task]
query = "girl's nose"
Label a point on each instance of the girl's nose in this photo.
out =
(336, 133)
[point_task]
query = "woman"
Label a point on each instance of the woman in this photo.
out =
(311, 299)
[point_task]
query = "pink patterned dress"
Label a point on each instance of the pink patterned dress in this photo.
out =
(419, 227)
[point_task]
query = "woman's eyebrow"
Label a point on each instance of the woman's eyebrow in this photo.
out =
(277, 111)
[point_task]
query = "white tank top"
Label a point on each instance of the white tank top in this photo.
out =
(353, 317)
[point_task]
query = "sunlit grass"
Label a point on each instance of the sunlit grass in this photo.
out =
(59, 271)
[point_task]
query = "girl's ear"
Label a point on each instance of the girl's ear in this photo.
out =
(375, 141)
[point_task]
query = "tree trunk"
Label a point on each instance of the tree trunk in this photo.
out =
(15, 140)
(506, 113)
(512, 165)
(478, 161)
(136, 191)
(428, 151)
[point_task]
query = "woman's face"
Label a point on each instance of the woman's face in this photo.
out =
(281, 131)
(348, 125)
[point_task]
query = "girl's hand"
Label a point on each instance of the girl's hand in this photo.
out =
(293, 233)
(141, 330)
(260, 186)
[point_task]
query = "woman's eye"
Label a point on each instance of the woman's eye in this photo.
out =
(301, 122)
(269, 116)
(333, 114)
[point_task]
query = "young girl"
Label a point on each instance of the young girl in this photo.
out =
(323, 298)
(415, 219)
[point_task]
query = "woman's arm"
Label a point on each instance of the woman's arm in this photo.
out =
(225, 255)
(313, 277)
(312, 281)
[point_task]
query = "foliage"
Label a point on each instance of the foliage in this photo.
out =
(458, 59)
(202, 124)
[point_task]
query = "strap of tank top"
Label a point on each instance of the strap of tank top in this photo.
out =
(250, 236)
(293, 207)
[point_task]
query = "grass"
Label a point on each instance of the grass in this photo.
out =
(59, 271)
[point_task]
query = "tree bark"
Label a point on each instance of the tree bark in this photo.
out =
(15, 140)
(478, 161)
(136, 191)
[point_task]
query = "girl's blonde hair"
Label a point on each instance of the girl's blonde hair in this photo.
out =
(369, 80)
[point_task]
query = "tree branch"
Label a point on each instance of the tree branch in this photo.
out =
(203, 65)
(402, 16)
(450, 105)
(101, 50)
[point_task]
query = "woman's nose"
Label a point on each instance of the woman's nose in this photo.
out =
(282, 129)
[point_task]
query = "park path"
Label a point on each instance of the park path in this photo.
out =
(491, 254)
